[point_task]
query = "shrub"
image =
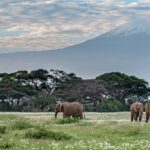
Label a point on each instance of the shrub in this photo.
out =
(4, 144)
(2, 129)
(110, 105)
(20, 125)
(68, 121)
(43, 102)
(5, 106)
(44, 134)
(88, 107)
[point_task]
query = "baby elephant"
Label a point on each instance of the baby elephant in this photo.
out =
(73, 109)
(147, 110)
(136, 110)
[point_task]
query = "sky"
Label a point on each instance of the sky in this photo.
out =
(36, 25)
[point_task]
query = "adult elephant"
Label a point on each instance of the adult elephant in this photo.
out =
(147, 110)
(73, 109)
(136, 110)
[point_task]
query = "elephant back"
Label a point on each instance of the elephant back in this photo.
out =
(136, 107)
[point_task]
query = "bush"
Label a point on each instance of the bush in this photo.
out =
(110, 105)
(88, 107)
(2, 129)
(20, 125)
(5, 106)
(43, 134)
(68, 121)
(5, 145)
(43, 101)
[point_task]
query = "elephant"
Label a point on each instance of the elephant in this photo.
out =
(136, 110)
(147, 110)
(73, 109)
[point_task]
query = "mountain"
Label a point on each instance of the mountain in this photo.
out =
(125, 49)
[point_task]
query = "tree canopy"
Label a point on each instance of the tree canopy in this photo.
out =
(120, 85)
(14, 87)
(37, 89)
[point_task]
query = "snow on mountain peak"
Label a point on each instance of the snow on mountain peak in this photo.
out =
(130, 29)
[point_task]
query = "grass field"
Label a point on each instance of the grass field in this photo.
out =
(99, 131)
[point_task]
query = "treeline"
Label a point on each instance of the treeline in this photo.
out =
(39, 90)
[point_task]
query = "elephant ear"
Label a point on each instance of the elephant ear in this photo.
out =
(61, 107)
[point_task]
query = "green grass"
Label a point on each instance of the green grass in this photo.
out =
(99, 131)
(44, 134)
(68, 121)
(20, 125)
(5, 145)
(2, 129)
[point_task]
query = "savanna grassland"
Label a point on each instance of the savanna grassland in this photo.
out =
(99, 131)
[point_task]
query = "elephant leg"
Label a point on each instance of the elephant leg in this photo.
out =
(76, 117)
(73, 116)
(81, 116)
(136, 116)
(147, 117)
(132, 116)
(64, 115)
(140, 117)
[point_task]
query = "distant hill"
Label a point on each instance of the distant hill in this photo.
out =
(126, 49)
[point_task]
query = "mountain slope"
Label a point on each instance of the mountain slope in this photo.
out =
(126, 49)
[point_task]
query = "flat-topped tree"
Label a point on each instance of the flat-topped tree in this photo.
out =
(120, 85)
(88, 92)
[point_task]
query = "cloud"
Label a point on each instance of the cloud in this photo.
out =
(52, 24)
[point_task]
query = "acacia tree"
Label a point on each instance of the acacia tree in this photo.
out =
(88, 92)
(34, 84)
(55, 79)
(13, 88)
(120, 86)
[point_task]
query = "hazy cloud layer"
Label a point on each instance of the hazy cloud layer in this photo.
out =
(51, 24)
